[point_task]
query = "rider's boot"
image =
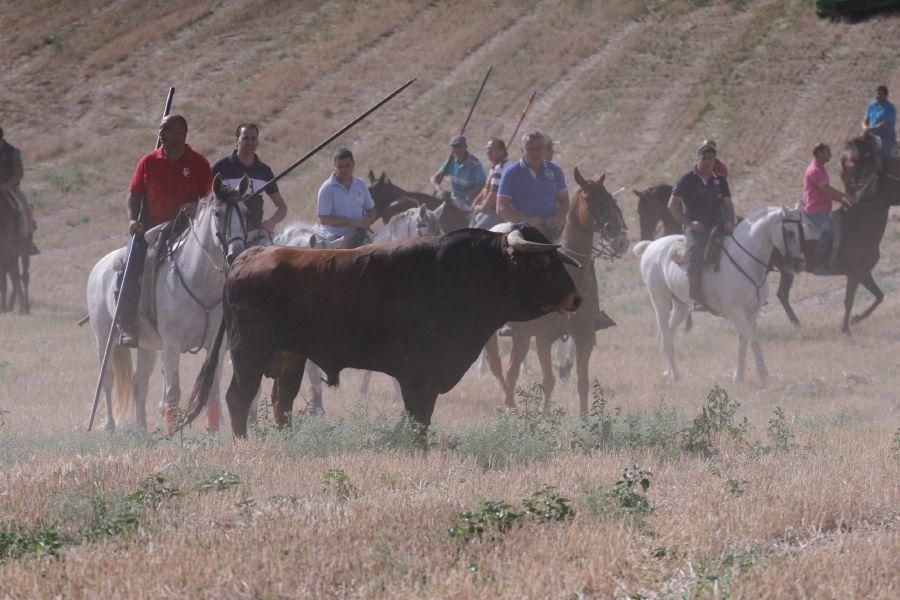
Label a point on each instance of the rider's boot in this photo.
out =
(128, 334)
(695, 285)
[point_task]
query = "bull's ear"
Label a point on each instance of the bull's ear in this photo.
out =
(383, 178)
(602, 178)
(639, 194)
(217, 185)
(579, 179)
(244, 184)
(371, 177)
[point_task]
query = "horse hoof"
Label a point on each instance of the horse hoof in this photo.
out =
(855, 319)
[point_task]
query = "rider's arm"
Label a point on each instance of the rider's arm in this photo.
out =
(729, 214)
(280, 212)
(675, 207)
(507, 212)
(134, 209)
(833, 193)
(562, 208)
(437, 178)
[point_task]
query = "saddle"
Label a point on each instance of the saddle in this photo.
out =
(712, 252)
(811, 233)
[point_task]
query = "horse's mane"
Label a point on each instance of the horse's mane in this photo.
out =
(292, 233)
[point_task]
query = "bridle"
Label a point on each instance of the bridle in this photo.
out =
(225, 237)
(798, 223)
(603, 224)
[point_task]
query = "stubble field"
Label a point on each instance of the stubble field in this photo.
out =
(786, 492)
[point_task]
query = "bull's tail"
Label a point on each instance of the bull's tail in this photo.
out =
(123, 383)
(200, 393)
(640, 247)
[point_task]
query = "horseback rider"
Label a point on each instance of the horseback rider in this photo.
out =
(818, 195)
(466, 175)
(719, 168)
(880, 121)
(244, 161)
(533, 190)
(11, 174)
(166, 181)
(700, 201)
(485, 207)
(345, 207)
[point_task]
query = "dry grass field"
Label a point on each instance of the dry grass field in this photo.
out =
(787, 492)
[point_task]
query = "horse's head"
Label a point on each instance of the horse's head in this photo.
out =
(427, 222)
(653, 207)
(383, 191)
(604, 212)
(789, 243)
(229, 216)
(859, 165)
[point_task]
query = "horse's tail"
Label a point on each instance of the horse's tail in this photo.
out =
(200, 393)
(640, 247)
(123, 383)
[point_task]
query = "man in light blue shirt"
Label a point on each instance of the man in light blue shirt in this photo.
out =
(466, 174)
(345, 207)
(533, 190)
(881, 121)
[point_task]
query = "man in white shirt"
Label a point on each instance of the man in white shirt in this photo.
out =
(345, 207)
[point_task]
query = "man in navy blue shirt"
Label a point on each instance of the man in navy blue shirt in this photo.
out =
(244, 161)
(700, 201)
(533, 190)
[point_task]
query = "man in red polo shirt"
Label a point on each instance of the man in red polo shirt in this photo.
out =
(173, 176)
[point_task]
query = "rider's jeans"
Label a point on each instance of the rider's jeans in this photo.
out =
(822, 220)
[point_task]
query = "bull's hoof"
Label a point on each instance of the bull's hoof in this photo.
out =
(856, 319)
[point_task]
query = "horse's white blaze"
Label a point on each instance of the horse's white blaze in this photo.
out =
(728, 291)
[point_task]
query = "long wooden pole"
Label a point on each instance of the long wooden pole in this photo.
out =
(466, 123)
(128, 269)
(332, 137)
(512, 138)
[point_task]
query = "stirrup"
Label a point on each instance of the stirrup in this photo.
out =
(126, 337)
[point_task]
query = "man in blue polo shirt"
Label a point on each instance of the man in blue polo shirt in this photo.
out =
(244, 161)
(466, 175)
(345, 207)
(700, 201)
(533, 190)
(881, 121)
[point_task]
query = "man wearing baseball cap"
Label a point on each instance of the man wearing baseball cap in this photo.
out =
(466, 175)
(700, 201)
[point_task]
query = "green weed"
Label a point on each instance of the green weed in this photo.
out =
(626, 499)
(336, 482)
(218, 481)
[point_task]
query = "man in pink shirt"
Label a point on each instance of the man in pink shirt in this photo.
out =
(817, 198)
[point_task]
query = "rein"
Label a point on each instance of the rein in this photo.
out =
(207, 308)
(604, 248)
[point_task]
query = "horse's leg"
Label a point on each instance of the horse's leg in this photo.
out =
(26, 279)
(283, 393)
(784, 295)
(315, 383)
(869, 283)
(491, 355)
(664, 305)
(746, 325)
(214, 403)
(146, 361)
(738, 376)
(2, 287)
(545, 358)
(849, 297)
(241, 390)
(565, 357)
(520, 344)
(583, 349)
(171, 356)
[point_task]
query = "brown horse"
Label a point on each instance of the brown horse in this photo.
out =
(592, 210)
(12, 248)
(862, 228)
(391, 199)
(653, 209)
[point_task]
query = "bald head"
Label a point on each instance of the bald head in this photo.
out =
(172, 135)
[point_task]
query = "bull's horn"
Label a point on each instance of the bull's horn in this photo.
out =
(563, 256)
(518, 242)
(618, 192)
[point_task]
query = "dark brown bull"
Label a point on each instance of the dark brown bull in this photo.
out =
(12, 249)
(419, 310)
(592, 210)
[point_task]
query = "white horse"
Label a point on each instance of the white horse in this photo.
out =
(736, 291)
(188, 297)
(413, 222)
